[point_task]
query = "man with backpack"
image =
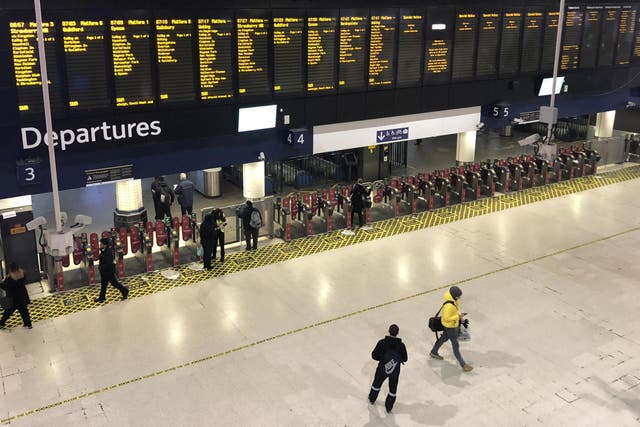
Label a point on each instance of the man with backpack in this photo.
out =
(163, 197)
(358, 195)
(390, 352)
(251, 223)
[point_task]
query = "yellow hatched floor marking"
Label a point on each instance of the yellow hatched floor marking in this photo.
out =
(144, 284)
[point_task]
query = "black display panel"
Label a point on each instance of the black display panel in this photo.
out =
(510, 44)
(411, 36)
(321, 54)
(549, 40)
(253, 55)
(382, 50)
(439, 46)
(26, 65)
(591, 36)
(487, 44)
(131, 52)
(288, 54)
(465, 45)
(84, 53)
(215, 56)
(174, 44)
(635, 53)
(628, 18)
(532, 41)
(352, 60)
(609, 36)
(570, 55)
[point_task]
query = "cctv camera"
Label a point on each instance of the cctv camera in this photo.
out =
(531, 139)
(83, 220)
(479, 126)
(35, 223)
(261, 156)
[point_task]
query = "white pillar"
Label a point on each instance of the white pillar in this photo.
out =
(466, 147)
(129, 195)
(253, 180)
(604, 124)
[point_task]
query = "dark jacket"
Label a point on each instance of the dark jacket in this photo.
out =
(16, 289)
(184, 191)
(156, 192)
(106, 265)
(245, 214)
(208, 230)
(387, 344)
(357, 196)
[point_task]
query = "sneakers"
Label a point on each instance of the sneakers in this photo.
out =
(436, 356)
(99, 300)
(125, 295)
(27, 327)
(467, 368)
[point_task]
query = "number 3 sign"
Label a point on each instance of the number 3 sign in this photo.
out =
(28, 172)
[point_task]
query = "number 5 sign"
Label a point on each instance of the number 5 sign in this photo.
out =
(28, 172)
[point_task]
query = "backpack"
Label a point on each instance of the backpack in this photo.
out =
(165, 195)
(256, 219)
(391, 362)
(435, 322)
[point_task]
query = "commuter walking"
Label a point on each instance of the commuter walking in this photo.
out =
(221, 223)
(390, 352)
(451, 319)
(163, 197)
(17, 297)
(251, 223)
(358, 193)
(184, 191)
(108, 272)
(208, 239)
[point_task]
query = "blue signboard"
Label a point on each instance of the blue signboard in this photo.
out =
(390, 135)
(28, 172)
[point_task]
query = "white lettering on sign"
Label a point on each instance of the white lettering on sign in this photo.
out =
(32, 137)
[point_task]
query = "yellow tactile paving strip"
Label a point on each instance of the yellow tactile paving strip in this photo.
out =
(82, 299)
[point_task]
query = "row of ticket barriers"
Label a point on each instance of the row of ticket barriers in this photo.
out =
(306, 213)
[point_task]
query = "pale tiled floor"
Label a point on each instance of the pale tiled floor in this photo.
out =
(552, 294)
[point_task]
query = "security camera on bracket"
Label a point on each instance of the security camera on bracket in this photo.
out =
(59, 244)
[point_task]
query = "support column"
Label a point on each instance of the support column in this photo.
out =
(253, 180)
(466, 147)
(129, 206)
(604, 124)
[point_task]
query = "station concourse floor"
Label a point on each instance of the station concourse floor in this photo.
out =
(551, 289)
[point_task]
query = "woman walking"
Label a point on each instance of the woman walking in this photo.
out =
(17, 296)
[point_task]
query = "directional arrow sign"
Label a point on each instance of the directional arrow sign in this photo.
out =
(389, 135)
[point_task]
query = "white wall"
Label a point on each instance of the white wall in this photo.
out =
(363, 133)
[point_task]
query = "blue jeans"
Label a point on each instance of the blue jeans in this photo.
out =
(449, 334)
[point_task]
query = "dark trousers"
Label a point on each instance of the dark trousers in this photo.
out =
(377, 383)
(24, 312)
(162, 211)
(207, 253)
(355, 210)
(219, 242)
(251, 234)
(186, 210)
(452, 335)
(106, 278)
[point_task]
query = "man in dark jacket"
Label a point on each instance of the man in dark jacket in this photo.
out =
(358, 194)
(108, 272)
(208, 234)
(16, 292)
(390, 352)
(163, 197)
(184, 191)
(250, 232)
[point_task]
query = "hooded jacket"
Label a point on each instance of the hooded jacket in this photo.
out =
(450, 314)
(14, 286)
(386, 344)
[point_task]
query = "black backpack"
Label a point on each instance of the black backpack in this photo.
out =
(435, 322)
(165, 195)
(391, 362)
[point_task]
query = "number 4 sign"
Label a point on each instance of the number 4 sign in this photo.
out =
(28, 172)
(297, 136)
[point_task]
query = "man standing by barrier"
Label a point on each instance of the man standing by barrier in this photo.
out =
(358, 194)
(184, 191)
(163, 197)
(390, 352)
(251, 223)
(108, 272)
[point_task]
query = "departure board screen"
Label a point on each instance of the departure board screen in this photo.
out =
(321, 54)
(84, 52)
(510, 44)
(215, 53)
(26, 65)
(570, 55)
(609, 36)
(635, 53)
(591, 36)
(288, 73)
(352, 58)
(465, 45)
(174, 43)
(439, 46)
(531, 41)
(253, 56)
(487, 44)
(628, 17)
(131, 50)
(549, 40)
(410, 35)
(382, 51)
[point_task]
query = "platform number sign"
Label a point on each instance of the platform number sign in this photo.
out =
(28, 172)
(500, 111)
(297, 136)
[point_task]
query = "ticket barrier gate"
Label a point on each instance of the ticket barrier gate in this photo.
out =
(548, 172)
(425, 191)
(516, 172)
(458, 186)
(502, 176)
(591, 161)
(473, 181)
(531, 176)
(488, 180)
(409, 193)
(147, 247)
(174, 239)
(441, 185)
(325, 210)
(568, 165)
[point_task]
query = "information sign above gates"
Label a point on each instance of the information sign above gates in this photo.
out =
(390, 135)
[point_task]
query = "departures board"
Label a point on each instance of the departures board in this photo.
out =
(160, 59)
